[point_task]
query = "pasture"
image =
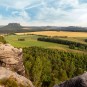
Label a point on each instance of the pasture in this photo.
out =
(31, 40)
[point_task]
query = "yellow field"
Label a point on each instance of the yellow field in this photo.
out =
(60, 33)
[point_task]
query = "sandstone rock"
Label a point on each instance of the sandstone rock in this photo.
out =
(11, 58)
(79, 81)
(5, 73)
(11, 65)
(2, 86)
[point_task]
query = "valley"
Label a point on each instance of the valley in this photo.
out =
(43, 43)
(50, 58)
(30, 39)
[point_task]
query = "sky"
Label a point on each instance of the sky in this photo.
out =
(44, 12)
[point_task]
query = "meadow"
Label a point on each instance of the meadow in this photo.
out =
(31, 40)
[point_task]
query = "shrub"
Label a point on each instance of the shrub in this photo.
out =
(2, 40)
(9, 82)
(21, 39)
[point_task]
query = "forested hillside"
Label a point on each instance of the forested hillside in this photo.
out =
(46, 67)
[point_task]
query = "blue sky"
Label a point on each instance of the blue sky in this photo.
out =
(44, 12)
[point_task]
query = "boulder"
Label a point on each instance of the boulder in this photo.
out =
(79, 81)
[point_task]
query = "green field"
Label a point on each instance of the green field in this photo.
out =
(31, 40)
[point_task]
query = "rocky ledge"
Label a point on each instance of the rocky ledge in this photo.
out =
(79, 81)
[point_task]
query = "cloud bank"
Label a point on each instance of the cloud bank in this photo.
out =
(44, 12)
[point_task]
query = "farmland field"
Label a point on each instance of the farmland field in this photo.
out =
(58, 33)
(31, 40)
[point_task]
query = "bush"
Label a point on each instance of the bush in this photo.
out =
(2, 40)
(10, 82)
(21, 39)
(85, 40)
(72, 46)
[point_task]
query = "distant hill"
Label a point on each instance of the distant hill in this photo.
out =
(12, 28)
(56, 28)
(74, 28)
(16, 28)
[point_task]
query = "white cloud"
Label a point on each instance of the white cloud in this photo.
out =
(75, 16)
(18, 4)
(73, 3)
(24, 15)
(50, 12)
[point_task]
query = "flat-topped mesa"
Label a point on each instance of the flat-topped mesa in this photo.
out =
(14, 24)
(79, 81)
(11, 58)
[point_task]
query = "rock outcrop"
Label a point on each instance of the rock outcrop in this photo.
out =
(11, 58)
(79, 81)
(11, 66)
(6, 74)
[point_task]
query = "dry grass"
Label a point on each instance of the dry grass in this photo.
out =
(60, 33)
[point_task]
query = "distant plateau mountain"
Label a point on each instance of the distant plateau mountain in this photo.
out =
(16, 28)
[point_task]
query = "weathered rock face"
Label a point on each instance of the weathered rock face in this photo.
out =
(11, 58)
(5, 73)
(79, 81)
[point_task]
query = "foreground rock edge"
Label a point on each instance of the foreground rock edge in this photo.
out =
(78, 81)
(5, 73)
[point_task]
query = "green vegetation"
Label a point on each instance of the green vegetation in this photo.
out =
(2, 40)
(76, 39)
(71, 44)
(30, 40)
(46, 67)
(21, 39)
(11, 82)
(85, 40)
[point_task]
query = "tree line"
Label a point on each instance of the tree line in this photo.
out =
(85, 40)
(46, 67)
(71, 44)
